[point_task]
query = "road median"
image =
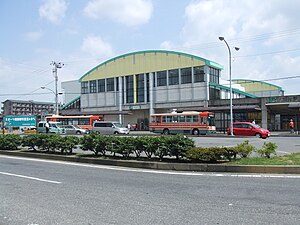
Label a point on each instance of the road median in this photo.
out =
(195, 167)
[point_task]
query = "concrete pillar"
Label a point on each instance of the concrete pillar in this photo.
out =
(264, 113)
(151, 109)
(120, 98)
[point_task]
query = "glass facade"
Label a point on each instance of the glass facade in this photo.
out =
(139, 91)
(186, 75)
(110, 84)
(129, 89)
(101, 85)
(174, 77)
(85, 87)
(199, 74)
(93, 86)
(140, 84)
(161, 78)
(214, 75)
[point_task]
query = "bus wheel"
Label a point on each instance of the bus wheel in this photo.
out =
(166, 131)
(97, 132)
(195, 132)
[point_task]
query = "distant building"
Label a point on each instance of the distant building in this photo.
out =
(21, 107)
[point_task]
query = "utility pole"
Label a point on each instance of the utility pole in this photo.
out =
(55, 67)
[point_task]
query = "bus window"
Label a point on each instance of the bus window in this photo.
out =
(175, 119)
(158, 118)
(83, 121)
(164, 119)
(152, 119)
(196, 119)
(188, 119)
(204, 120)
(182, 119)
(211, 121)
(169, 119)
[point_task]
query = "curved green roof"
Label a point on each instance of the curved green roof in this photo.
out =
(207, 62)
(234, 90)
(248, 81)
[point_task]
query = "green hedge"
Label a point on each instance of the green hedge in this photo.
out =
(177, 146)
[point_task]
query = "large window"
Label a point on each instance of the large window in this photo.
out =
(110, 84)
(186, 75)
(129, 89)
(93, 87)
(101, 85)
(140, 84)
(161, 78)
(214, 75)
(84, 87)
(173, 77)
(199, 74)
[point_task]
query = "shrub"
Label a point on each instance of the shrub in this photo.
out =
(211, 154)
(149, 145)
(87, 143)
(31, 141)
(267, 149)
(178, 145)
(10, 141)
(66, 144)
(244, 149)
(123, 146)
(160, 146)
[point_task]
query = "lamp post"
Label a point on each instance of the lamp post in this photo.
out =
(230, 83)
(56, 98)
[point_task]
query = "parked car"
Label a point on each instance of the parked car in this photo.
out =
(249, 129)
(74, 129)
(109, 127)
(54, 127)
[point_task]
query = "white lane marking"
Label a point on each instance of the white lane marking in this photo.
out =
(207, 174)
(31, 178)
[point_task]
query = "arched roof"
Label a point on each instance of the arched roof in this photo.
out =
(256, 86)
(145, 61)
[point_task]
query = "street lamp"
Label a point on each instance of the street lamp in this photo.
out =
(56, 98)
(230, 84)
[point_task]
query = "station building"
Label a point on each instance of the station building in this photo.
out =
(130, 87)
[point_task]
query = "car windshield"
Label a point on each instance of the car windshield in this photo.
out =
(118, 125)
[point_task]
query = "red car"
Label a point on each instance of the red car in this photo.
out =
(249, 129)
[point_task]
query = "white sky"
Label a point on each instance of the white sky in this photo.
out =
(82, 34)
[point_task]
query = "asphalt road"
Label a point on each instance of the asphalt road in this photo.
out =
(36, 192)
(285, 144)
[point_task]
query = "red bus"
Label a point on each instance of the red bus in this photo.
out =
(85, 122)
(191, 122)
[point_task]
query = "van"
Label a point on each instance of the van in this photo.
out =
(54, 127)
(109, 127)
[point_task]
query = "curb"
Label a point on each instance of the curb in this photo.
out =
(195, 167)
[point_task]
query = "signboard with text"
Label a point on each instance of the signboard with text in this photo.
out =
(19, 121)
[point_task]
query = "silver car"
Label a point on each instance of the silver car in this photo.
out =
(109, 127)
(74, 129)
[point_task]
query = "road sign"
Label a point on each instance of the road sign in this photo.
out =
(18, 121)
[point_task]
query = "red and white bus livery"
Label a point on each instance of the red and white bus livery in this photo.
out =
(191, 122)
(84, 122)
